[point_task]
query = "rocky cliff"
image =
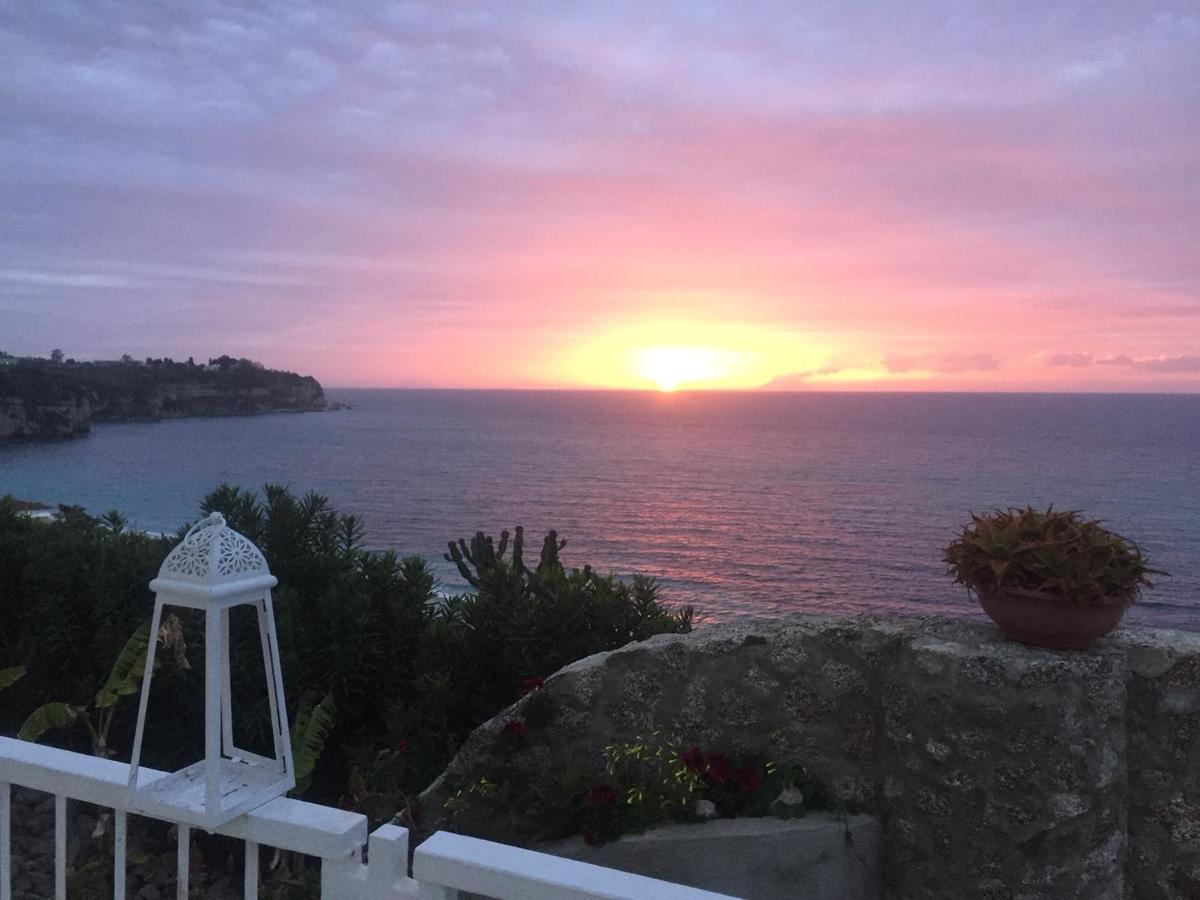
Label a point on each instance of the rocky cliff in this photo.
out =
(66, 417)
(39, 399)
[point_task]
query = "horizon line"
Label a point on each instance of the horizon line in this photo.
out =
(762, 391)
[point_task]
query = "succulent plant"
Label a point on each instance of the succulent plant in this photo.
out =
(481, 564)
(1052, 555)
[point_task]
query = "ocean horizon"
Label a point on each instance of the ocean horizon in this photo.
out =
(741, 503)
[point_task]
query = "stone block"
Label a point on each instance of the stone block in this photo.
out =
(818, 857)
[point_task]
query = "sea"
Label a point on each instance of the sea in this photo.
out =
(738, 503)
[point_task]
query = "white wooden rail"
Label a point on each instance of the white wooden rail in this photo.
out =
(442, 866)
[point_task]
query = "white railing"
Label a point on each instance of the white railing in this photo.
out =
(442, 866)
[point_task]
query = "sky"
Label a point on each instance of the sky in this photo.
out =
(786, 196)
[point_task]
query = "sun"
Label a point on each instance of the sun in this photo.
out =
(668, 354)
(671, 367)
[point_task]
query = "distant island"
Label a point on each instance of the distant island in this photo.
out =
(56, 397)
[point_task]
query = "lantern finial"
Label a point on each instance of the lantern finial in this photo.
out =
(212, 559)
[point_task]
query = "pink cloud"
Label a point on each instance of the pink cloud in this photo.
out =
(946, 363)
(1075, 360)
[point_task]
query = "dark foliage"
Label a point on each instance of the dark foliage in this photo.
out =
(412, 673)
(71, 593)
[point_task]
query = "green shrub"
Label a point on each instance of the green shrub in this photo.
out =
(71, 593)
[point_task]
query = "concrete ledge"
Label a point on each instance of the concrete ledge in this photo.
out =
(822, 856)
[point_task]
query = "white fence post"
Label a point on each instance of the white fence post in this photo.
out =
(250, 889)
(183, 862)
(60, 847)
(343, 877)
(5, 842)
(119, 830)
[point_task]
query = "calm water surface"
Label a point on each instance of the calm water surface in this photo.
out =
(739, 503)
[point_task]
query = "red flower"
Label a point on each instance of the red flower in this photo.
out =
(401, 745)
(693, 760)
(589, 836)
(600, 795)
(531, 684)
(716, 768)
(746, 778)
(515, 729)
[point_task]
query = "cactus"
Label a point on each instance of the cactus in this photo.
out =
(482, 565)
(475, 562)
(549, 559)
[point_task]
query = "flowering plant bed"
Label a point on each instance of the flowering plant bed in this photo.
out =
(647, 782)
(653, 781)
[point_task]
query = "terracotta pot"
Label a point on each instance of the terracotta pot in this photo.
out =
(1047, 623)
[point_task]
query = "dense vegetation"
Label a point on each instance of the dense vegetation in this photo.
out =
(156, 388)
(411, 673)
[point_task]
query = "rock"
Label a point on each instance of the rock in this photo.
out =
(997, 770)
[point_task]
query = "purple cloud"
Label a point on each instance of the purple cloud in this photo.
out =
(1077, 360)
(1181, 363)
(945, 363)
(800, 379)
(1184, 363)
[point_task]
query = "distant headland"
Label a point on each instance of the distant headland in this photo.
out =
(56, 397)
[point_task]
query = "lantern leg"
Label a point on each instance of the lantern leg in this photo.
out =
(213, 684)
(144, 700)
(275, 695)
(226, 692)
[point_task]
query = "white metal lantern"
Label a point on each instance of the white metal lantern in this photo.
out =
(213, 570)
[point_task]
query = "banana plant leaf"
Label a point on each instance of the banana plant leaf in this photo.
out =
(126, 674)
(310, 730)
(11, 676)
(44, 718)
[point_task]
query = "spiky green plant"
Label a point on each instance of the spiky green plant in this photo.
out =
(1054, 555)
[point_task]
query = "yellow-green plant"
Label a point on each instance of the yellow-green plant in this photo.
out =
(311, 726)
(1053, 555)
(124, 678)
(11, 676)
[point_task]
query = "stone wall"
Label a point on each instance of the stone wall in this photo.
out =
(999, 771)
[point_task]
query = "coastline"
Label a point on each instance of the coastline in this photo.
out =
(147, 420)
